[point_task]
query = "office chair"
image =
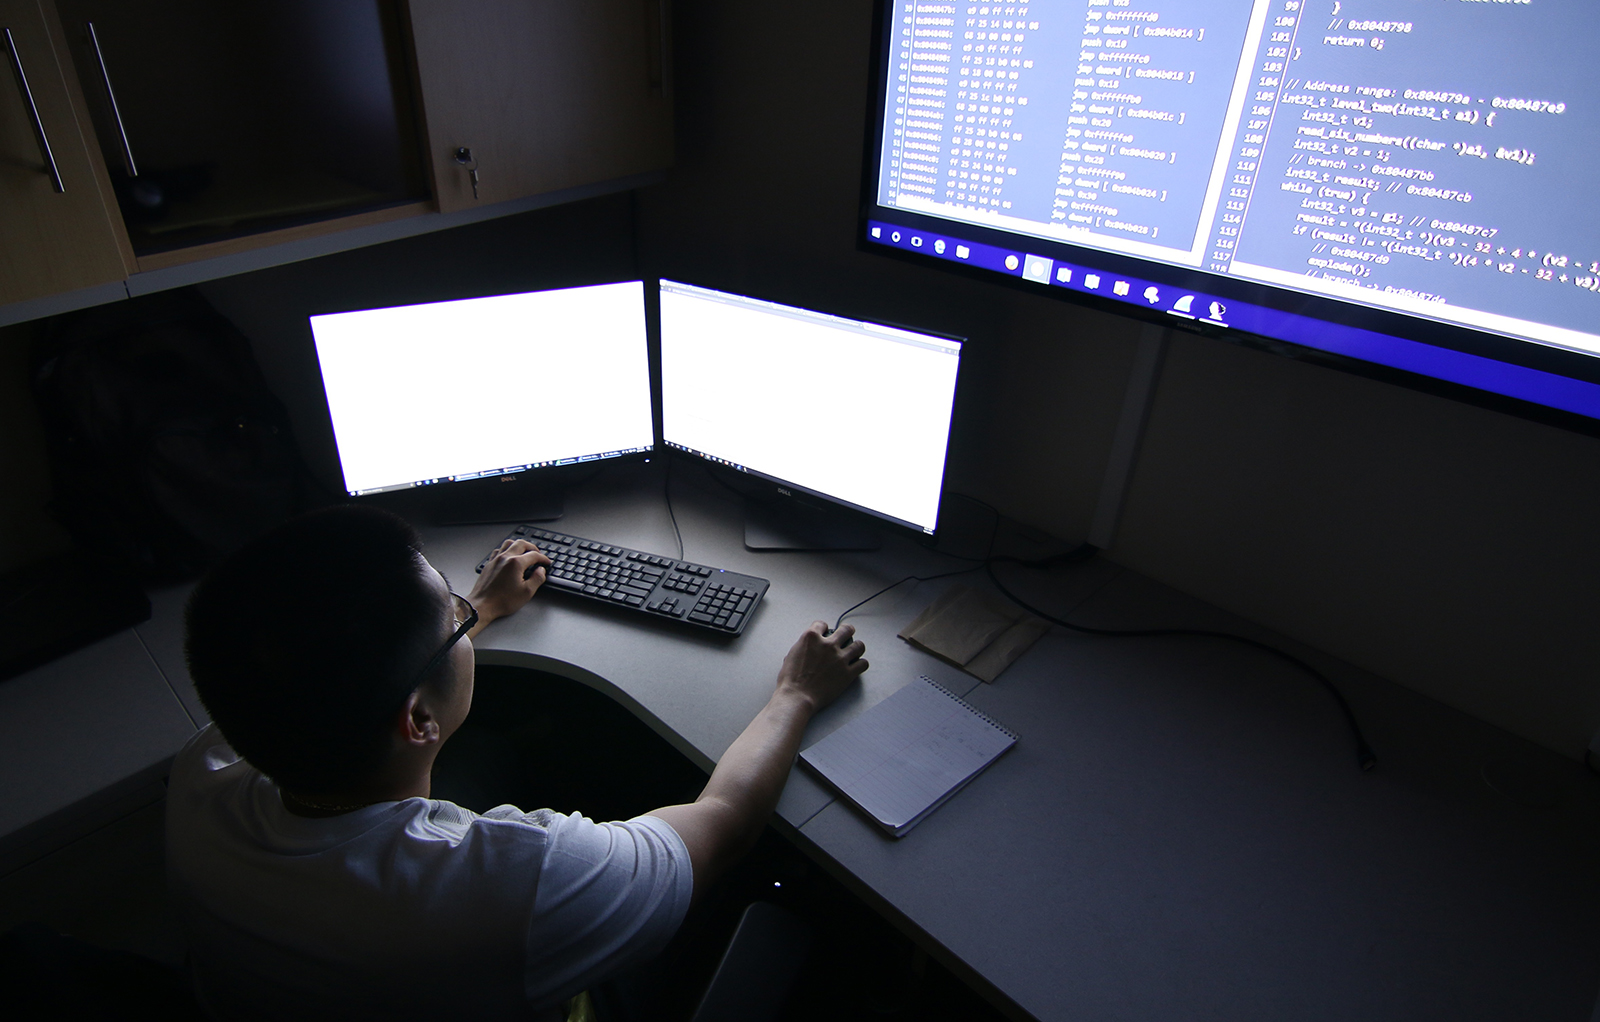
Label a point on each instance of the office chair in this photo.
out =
(757, 969)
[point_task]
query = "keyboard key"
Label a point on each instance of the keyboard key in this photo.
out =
(704, 619)
(734, 619)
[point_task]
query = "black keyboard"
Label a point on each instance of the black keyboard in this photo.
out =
(662, 586)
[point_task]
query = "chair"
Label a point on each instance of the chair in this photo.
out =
(758, 968)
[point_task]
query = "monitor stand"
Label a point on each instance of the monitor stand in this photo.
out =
(787, 525)
(495, 501)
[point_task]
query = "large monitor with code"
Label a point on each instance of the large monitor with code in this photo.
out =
(1382, 183)
(484, 388)
(851, 412)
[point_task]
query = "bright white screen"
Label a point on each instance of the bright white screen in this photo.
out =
(430, 392)
(853, 411)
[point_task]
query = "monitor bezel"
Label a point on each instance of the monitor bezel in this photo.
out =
(771, 489)
(1511, 351)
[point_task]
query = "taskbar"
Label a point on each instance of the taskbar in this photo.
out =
(509, 470)
(724, 462)
(1506, 378)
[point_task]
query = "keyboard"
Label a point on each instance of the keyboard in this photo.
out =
(667, 587)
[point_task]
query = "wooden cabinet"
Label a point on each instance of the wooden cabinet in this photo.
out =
(543, 94)
(56, 233)
(223, 120)
(191, 130)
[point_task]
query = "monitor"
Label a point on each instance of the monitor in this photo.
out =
(486, 388)
(1389, 186)
(854, 413)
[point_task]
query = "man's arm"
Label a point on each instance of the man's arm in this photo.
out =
(725, 821)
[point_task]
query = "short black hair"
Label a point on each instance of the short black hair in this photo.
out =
(306, 642)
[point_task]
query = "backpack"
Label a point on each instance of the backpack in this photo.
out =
(166, 447)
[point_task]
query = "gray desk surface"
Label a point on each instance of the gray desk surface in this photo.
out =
(1180, 833)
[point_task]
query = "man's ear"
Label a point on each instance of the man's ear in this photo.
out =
(417, 723)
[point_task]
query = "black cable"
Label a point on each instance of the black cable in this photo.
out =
(994, 522)
(1365, 757)
(909, 578)
(1081, 552)
(666, 489)
(716, 477)
(994, 532)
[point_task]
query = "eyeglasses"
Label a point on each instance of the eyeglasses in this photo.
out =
(466, 615)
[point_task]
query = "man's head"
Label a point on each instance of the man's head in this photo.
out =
(307, 647)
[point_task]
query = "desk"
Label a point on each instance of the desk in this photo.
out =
(1181, 831)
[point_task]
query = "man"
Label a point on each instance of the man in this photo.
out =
(313, 871)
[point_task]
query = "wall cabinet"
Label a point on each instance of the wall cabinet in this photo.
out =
(56, 233)
(186, 130)
(220, 120)
(539, 95)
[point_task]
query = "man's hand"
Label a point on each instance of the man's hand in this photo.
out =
(818, 667)
(509, 579)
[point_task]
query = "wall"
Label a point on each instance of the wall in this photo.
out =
(563, 246)
(1443, 546)
(770, 103)
(27, 532)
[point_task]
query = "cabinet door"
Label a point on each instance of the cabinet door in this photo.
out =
(55, 232)
(222, 120)
(547, 94)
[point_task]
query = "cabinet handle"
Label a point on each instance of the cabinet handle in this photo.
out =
(33, 113)
(116, 112)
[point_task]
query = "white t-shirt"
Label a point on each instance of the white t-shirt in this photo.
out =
(416, 909)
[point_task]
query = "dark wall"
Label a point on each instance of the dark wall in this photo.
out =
(27, 533)
(1449, 548)
(771, 102)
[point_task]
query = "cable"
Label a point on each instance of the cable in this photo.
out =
(994, 523)
(666, 489)
(909, 578)
(1081, 552)
(1365, 757)
(716, 477)
(994, 532)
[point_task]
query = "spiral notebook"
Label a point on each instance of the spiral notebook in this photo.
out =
(902, 759)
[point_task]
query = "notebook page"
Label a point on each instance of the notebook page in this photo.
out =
(908, 752)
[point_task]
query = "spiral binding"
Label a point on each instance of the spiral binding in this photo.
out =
(974, 710)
